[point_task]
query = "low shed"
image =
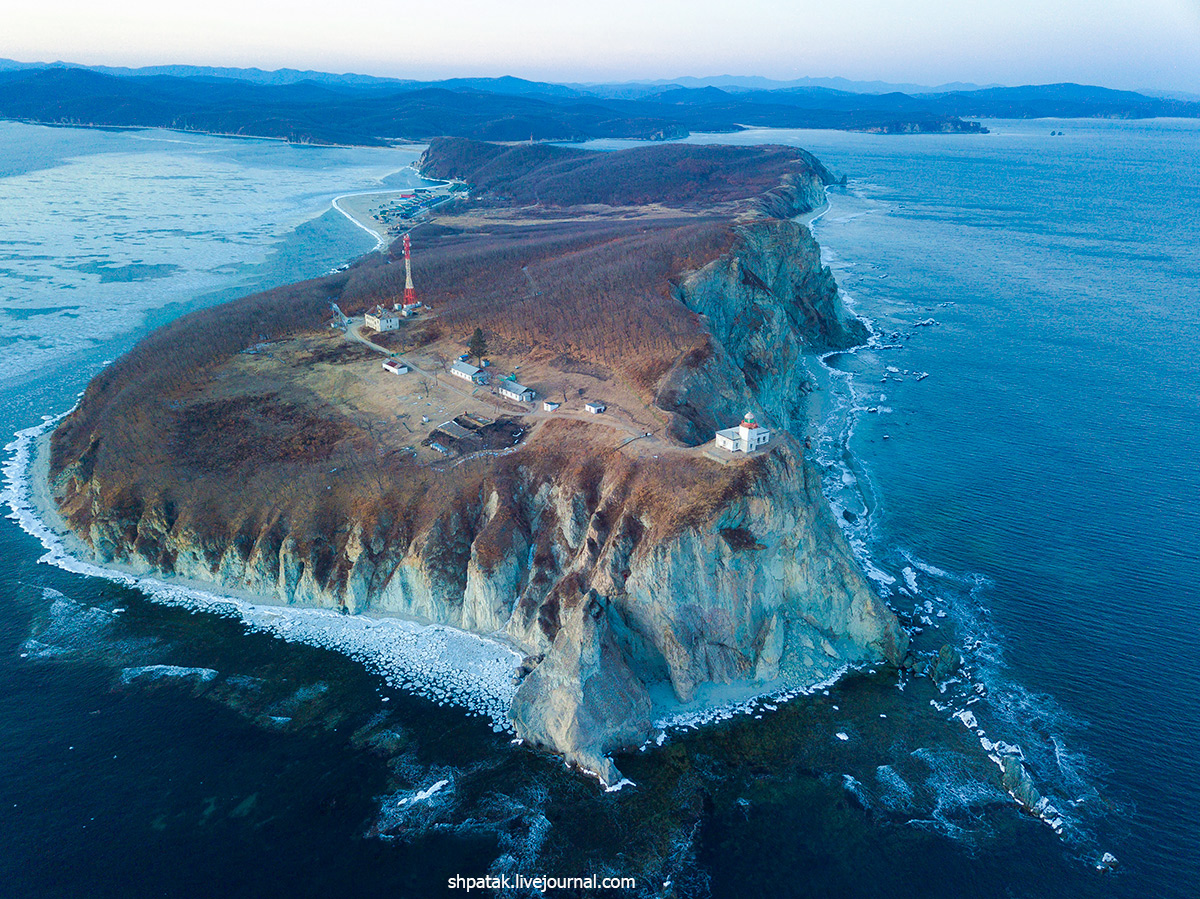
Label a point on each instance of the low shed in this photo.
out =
(396, 368)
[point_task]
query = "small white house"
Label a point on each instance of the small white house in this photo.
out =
(745, 438)
(550, 405)
(396, 368)
(382, 319)
(514, 391)
(469, 372)
(595, 408)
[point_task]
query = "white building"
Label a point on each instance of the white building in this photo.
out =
(382, 319)
(595, 408)
(515, 391)
(550, 405)
(469, 372)
(396, 368)
(745, 438)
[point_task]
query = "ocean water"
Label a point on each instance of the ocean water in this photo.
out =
(1032, 500)
(1049, 459)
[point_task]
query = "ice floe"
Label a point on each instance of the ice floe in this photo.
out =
(159, 672)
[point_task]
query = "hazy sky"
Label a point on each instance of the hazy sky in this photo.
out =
(1118, 43)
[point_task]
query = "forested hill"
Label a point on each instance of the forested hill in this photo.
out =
(674, 175)
(374, 111)
(377, 113)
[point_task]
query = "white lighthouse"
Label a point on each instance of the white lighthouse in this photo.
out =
(745, 438)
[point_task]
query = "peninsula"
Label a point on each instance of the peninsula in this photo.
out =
(569, 497)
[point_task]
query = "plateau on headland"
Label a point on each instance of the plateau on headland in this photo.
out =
(643, 300)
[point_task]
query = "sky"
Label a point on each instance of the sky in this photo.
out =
(1148, 44)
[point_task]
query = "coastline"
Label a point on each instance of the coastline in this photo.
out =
(360, 218)
(443, 664)
(707, 703)
(232, 135)
(357, 208)
(901, 578)
(652, 768)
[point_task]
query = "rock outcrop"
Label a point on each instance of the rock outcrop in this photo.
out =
(766, 304)
(583, 694)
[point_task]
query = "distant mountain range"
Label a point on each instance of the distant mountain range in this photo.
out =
(320, 107)
(732, 83)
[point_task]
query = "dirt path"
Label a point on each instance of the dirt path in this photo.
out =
(352, 333)
(535, 417)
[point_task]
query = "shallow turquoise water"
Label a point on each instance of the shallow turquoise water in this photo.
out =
(1040, 484)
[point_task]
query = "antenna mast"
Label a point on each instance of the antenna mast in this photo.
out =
(410, 294)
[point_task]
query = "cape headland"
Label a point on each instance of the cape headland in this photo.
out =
(646, 298)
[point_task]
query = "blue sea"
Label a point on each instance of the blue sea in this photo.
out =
(1014, 458)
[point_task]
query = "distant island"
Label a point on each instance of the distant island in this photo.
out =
(572, 419)
(345, 109)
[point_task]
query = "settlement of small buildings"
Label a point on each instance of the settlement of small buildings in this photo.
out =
(745, 438)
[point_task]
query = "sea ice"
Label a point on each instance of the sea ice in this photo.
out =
(423, 795)
(157, 672)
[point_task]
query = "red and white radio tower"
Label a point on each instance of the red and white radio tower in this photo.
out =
(410, 294)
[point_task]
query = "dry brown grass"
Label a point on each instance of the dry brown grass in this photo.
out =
(591, 294)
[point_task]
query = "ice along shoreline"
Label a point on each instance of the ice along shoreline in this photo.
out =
(440, 663)
(437, 662)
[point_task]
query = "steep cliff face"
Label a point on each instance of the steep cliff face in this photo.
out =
(614, 572)
(766, 304)
(743, 578)
(797, 192)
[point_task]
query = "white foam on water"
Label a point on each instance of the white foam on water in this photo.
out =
(619, 785)
(851, 785)
(877, 574)
(967, 719)
(985, 685)
(895, 791)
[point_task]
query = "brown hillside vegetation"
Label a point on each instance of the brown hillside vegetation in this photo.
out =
(597, 293)
(253, 422)
(676, 175)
